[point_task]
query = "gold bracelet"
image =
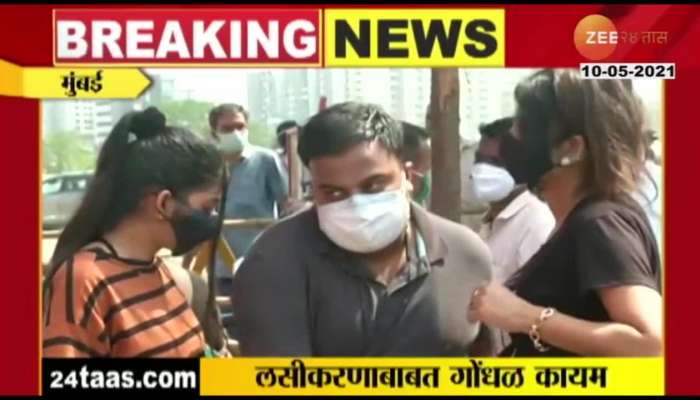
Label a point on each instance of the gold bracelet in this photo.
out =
(535, 329)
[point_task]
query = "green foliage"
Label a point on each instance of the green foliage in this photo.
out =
(190, 114)
(67, 151)
(194, 115)
(259, 134)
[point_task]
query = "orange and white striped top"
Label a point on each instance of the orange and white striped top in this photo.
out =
(100, 305)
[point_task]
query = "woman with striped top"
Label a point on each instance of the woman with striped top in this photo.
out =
(106, 294)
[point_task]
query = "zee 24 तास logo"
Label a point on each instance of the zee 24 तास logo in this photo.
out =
(596, 37)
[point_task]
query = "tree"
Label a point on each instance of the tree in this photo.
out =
(261, 135)
(67, 151)
(190, 114)
(194, 115)
(443, 121)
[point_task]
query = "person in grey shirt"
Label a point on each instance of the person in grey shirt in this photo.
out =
(256, 188)
(365, 271)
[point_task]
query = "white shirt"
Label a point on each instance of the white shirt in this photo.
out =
(516, 233)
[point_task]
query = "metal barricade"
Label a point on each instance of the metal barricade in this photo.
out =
(199, 262)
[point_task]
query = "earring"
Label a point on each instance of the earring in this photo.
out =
(565, 161)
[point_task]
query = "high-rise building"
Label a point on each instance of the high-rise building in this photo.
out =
(332, 86)
(295, 93)
(403, 93)
(91, 119)
(162, 89)
(297, 88)
(301, 90)
(410, 94)
(372, 85)
(262, 96)
(486, 95)
(56, 116)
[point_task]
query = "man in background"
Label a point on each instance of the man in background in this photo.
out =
(417, 151)
(257, 188)
(283, 131)
(516, 223)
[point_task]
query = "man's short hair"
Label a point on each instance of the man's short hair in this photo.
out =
(337, 128)
(281, 128)
(222, 109)
(286, 125)
(496, 128)
(413, 137)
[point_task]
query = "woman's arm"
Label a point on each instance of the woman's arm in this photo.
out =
(635, 311)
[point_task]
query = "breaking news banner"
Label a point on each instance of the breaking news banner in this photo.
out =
(383, 200)
(370, 37)
(173, 36)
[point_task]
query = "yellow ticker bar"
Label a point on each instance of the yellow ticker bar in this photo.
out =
(432, 376)
(414, 37)
(71, 83)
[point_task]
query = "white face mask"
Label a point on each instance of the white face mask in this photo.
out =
(243, 133)
(365, 223)
(233, 142)
(491, 183)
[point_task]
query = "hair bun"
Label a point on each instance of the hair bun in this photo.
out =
(148, 123)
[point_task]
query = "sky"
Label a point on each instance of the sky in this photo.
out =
(230, 85)
(224, 85)
(217, 85)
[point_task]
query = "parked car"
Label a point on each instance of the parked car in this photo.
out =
(62, 195)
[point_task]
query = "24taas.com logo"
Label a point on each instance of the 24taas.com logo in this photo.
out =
(596, 37)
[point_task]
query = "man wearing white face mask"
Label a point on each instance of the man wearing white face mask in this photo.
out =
(365, 272)
(257, 188)
(517, 223)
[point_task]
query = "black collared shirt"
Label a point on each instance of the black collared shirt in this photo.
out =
(298, 294)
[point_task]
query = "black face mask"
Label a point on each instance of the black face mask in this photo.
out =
(527, 160)
(192, 228)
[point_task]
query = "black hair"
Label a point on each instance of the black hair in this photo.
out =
(281, 137)
(141, 155)
(216, 113)
(413, 137)
(554, 105)
(497, 128)
(337, 128)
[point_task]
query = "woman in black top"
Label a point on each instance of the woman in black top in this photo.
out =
(594, 289)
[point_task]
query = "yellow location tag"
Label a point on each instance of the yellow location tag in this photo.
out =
(71, 83)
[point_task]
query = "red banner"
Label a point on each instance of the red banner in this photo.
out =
(171, 36)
